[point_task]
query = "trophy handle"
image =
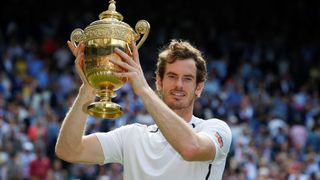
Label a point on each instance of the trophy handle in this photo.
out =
(142, 27)
(77, 35)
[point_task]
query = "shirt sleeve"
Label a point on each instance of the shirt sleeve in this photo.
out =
(112, 144)
(220, 134)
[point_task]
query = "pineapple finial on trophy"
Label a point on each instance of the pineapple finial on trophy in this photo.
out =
(112, 5)
(111, 12)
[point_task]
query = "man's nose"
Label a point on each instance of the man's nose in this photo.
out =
(179, 82)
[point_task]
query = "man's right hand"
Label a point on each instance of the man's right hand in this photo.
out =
(72, 145)
(78, 52)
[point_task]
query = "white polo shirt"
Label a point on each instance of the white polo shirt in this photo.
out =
(146, 155)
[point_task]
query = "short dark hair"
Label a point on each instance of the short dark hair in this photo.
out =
(180, 49)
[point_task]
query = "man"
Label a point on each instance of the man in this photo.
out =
(178, 146)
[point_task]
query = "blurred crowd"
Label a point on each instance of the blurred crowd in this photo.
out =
(264, 77)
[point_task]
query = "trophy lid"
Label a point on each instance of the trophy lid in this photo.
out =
(111, 26)
(111, 12)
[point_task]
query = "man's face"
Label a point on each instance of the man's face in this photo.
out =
(178, 86)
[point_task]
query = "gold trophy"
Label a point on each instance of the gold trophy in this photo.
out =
(100, 39)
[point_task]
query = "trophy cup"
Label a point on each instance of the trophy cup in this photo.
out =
(100, 39)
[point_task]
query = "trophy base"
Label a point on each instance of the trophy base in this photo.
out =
(103, 109)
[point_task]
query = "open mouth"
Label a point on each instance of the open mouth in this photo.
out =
(177, 94)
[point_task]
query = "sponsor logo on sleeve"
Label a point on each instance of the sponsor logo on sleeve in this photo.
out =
(219, 139)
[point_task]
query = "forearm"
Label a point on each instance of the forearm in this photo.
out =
(73, 126)
(173, 127)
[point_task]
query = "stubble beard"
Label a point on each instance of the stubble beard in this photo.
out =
(178, 106)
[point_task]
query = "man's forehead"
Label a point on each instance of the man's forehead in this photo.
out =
(185, 67)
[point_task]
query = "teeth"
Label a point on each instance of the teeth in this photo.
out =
(178, 93)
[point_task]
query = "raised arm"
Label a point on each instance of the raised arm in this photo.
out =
(190, 145)
(72, 145)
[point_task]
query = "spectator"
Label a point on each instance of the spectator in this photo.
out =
(40, 167)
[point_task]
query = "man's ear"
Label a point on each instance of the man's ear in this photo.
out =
(158, 82)
(199, 89)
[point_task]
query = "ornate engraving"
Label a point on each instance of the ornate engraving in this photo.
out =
(108, 31)
(142, 27)
(77, 35)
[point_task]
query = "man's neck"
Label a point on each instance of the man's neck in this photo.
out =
(186, 114)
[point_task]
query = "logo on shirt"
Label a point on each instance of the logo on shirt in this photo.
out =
(219, 138)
